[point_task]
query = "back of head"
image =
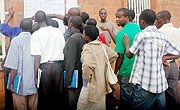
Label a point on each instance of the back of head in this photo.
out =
(26, 25)
(124, 10)
(92, 32)
(165, 13)
(74, 12)
(91, 21)
(84, 16)
(35, 27)
(148, 15)
(131, 15)
(40, 16)
(76, 21)
(53, 23)
(65, 20)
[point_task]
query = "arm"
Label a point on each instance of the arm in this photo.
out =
(11, 14)
(118, 62)
(58, 16)
(13, 74)
(36, 66)
(112, 34)
(127, 45)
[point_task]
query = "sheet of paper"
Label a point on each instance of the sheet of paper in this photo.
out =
(48, 6)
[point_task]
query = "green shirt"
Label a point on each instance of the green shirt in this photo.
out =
(131, 30)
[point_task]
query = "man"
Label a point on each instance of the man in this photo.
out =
(172, 74)
(20, 61)
(72, 53)
(123, 64)
(47, 45)
(131, 15)
(106, 24)
(11, 32)
(148, 74)
(92, 96)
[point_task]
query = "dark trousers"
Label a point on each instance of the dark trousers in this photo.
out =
(50, 92)
(172, 97)
(8, 94)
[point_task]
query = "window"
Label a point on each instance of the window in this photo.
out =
(138, 6)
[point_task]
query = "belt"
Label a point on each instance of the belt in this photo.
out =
(57, 61)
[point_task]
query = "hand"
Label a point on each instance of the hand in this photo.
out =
(11, 87)
(11, 11)
(164, 61)
(126, 40)
(104, 29)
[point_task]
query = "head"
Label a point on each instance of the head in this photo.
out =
(84, 16)
(90, 33)
(131, 15)
(65, 20)
(122, 17)
(53, 23)
(103, 14)
(40, 16)
(73, 12)
(26, 25)
(147, 18)
(75, 22)
(162, 18)
(35, 27)
(91, 21)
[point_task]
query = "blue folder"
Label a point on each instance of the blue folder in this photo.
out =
(74, 82)
(16, 82)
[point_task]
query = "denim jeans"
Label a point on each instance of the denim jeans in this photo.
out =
(144, 100)
(126, 90)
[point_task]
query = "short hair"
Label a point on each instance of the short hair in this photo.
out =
(65, 20)
(26, 24)
(91, 21)
(102, 9)
(92, 32)
(76, 21)
(53, 23)
(165, 13)
(35, 27)
(132, 14)
(124, 10)
(148, 15)
(84, 16)
(40, 16)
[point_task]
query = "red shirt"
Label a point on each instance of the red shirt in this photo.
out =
(102, 38)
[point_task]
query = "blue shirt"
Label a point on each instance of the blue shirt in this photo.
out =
(11, 32)
(66, 34)
(20, 59)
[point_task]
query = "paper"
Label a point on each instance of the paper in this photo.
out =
(39, 77)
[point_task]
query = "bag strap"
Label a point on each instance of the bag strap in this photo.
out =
(106, 54)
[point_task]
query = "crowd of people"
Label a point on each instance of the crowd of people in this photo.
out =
(145, 61)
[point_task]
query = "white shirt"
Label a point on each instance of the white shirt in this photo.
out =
(48, 42)
(172, 33)
(149, 47)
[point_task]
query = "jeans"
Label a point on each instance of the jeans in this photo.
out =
(144, 100)
(126, 90)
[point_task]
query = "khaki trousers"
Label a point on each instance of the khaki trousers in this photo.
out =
(28, 102)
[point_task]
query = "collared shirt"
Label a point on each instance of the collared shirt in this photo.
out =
(172, 33)
(149, 47)
(48, 42)
(20, 59)
(11, 32)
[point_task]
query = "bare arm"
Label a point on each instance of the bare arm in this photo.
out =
(127, 45)
(170, 57)
(119, 62)
(11, 14)
(36, 66)
(58, 16)
(112, 34)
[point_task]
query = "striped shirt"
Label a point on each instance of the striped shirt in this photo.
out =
(149, 46)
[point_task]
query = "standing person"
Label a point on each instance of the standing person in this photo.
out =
(72, 53)
(172, 74)
(148, 74)
(20, 61)
(11, 32)
(47, 45)
(106, 24)
(123, 63)
(92, 96)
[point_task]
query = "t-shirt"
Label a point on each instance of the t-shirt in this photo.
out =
(109, 25)
(131, 30)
